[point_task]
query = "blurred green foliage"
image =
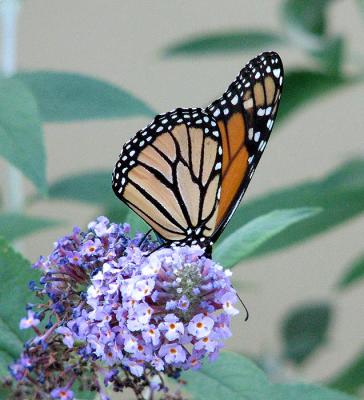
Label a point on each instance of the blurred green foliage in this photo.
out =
(354, 273)
(247, 239)
(304, 330)
(67, 97)
(21, 133)
(351, 378)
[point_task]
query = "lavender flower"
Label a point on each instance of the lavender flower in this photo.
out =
(168, 305)
(30, 321)
(115, 304)
(62, 394)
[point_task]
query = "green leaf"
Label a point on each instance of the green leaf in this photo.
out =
(231, 377)
(4, 392)
(5, 360)
(316, 84)
(306, 21)
(306, 392)
(15, 273)
(21, 135)
(340, 195)
(65, 97)
(351, 378)
(247, 239)
(331, 55)
(304, 330)
(15, 226)
(225, 42)
(95, 188)
(354, 274)
(234, 377)
(10, 342)
(92, 187)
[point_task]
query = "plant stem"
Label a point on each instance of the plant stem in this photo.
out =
(9, 10)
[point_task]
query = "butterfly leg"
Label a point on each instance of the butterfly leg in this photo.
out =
(144, 238)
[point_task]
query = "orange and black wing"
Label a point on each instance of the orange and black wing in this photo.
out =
(170, 174)
(245, 115)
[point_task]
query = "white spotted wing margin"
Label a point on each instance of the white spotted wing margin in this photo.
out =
(245, 114)
(170, 175)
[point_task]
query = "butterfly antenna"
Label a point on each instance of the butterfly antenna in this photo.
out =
(245, 308)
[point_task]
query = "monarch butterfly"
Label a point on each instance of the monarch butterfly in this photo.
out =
(187, 171)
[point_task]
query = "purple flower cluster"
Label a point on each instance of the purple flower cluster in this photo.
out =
(75, 257)
(170, 308)
(109, 297)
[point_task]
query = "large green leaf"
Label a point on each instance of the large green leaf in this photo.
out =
(231, 377)
(340, 195)
(10, 342)
(306, 21)
(90, 187)
(234, 377)
(351, 378)
(306, 392)
(65, 97)
(226, 42)
(353, 274)
(304, 330)
(247, 239)
(21, 135)
(15, 273)
(14, 226)
(302, 87)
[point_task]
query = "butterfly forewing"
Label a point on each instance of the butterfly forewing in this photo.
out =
(245, 115)
(186, 172)
(170, 174)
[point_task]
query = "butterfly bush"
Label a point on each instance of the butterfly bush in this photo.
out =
(116, 310)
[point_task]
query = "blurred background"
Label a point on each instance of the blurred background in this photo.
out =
(141, 47)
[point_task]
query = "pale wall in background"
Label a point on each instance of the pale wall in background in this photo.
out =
(121, 41)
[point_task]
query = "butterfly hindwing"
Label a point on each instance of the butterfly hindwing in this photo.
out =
(170, 174)
(245, 115)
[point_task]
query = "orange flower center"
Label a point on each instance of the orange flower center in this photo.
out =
(199, 325)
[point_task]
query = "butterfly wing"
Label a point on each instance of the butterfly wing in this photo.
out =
(170, 174)
(187, 171)
(245, 115)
